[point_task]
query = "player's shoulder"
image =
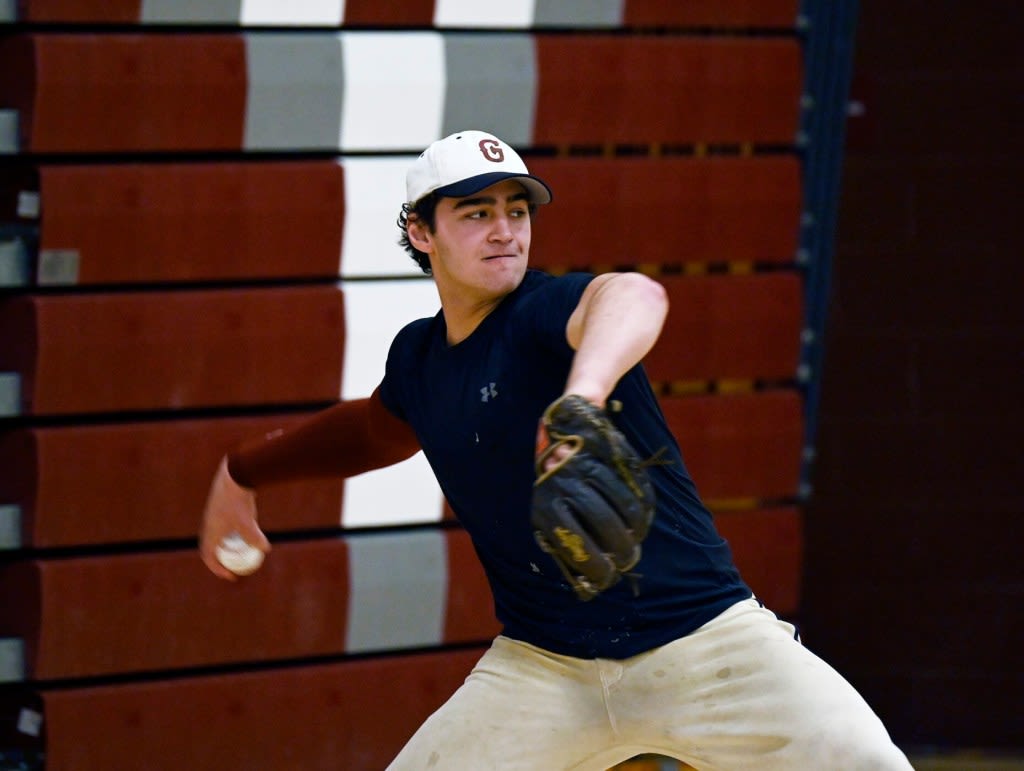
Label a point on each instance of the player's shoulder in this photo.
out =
(539, 286)
(540, 309)
(417, 328)
(538, 279)
(412, 339)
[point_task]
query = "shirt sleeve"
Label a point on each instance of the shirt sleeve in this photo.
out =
(401, 359)
(545, 314)
(346, 439)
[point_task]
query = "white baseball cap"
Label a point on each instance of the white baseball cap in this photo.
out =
(465, 163)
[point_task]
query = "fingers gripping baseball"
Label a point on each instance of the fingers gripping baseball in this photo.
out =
(593, 502)
(230, 542)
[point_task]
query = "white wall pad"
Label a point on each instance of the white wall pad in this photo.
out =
(394, 90)
(12, 660)
(9, 130)
(514, 14)
(492, 85)
(374, 313)
(10, 394)
(294, 93)
(579, 13)
(14, 262)
(10, 526)
(398, 585)
(294, 13)
(374, 192)
(404, 494)
(190, 11)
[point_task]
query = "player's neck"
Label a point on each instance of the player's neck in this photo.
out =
(462, 318)
(460, 326)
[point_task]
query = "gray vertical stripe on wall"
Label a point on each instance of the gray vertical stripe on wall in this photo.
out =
(9, 121)
(10, 525)
(12, 660)
(579, 13)
(294, 98)
(492, 85)
(10, 394)
(398, 589)
(14, 261)
(186, 11)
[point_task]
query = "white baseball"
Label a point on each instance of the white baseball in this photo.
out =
(238, 556)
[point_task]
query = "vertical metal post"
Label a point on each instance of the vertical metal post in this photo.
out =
(827, 28)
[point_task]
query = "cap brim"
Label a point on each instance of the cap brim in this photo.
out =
(537, 188)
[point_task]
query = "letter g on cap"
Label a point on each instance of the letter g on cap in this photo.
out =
(491, 150)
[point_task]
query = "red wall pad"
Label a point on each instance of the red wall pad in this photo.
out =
(104, 615)
(61, 479)
(745, 327)
(166, 350)
(151, 92)
(352, 715)
(673, 90)
(420, 13)
(373, 13)
(741, 446)
(711, 13)
(187, 222)
(707, 210)
(767, 545)
(121, 11)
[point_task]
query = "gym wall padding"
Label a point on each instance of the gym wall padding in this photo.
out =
(184, 222)
(198, 246)
(338, 91)
(586, 14)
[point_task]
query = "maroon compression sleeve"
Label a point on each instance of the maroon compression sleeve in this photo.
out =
(341, 441)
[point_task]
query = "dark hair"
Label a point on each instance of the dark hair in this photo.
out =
(424, 210)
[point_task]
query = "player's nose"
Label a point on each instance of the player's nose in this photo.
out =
(502, 228)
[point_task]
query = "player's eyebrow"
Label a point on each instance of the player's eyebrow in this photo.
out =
(488, 200)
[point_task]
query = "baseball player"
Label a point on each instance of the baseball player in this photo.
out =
(626, 627)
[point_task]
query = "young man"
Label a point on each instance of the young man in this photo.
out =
(685, 663)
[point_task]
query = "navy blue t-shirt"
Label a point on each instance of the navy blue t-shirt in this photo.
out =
(474, 407)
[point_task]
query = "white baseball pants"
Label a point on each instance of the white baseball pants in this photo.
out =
(738, 693)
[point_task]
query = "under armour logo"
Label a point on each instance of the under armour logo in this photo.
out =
(488, 392)
(491, 150)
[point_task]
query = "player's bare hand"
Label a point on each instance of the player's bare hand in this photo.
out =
(556, 456)
(230, 509)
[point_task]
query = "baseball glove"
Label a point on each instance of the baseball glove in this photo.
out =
(593, 508)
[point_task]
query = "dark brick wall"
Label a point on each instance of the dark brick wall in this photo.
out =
(914, 586)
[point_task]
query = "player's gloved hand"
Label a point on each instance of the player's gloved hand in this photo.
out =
(594, 504)
(230, 509)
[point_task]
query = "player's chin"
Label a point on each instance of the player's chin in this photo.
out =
(510, 268)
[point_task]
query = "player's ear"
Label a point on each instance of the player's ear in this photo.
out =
(419, 234)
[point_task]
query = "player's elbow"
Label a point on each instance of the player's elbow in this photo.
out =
(645, 293)
(656, 294)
